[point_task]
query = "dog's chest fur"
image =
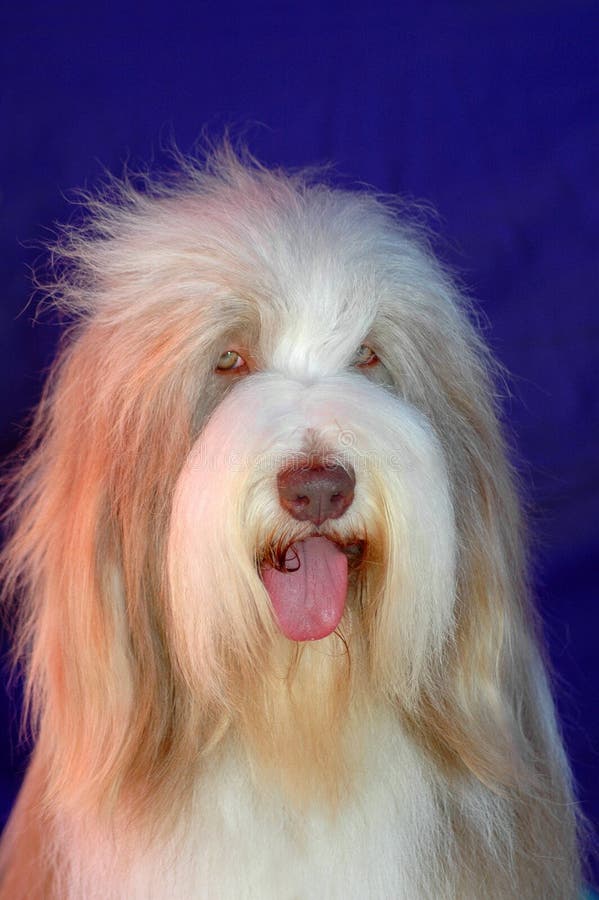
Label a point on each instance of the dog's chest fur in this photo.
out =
(243, 840)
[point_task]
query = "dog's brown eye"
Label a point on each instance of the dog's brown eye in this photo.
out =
(230, 361)
(365, 356)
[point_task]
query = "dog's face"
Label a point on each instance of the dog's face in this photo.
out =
(267, 539)
(315, 475)
(271, 445)
(313, 503)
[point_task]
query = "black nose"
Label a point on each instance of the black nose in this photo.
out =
(316, 493)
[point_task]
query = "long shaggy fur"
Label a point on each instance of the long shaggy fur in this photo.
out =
(185, 747)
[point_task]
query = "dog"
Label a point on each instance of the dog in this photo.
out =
(274, 619)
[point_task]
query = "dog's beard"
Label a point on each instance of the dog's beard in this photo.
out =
(380, 578)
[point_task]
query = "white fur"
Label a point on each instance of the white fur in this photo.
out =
(226, 505)
(247, 844)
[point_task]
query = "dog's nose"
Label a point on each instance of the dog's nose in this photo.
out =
(316, 493)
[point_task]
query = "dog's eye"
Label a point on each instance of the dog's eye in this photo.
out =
(365, 356)
(230, 361)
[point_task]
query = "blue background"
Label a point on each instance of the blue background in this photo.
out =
(489, 110)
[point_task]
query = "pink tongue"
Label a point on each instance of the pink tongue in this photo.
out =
(308, 600)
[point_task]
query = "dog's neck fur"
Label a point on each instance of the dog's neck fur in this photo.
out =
(394, 833)
(315, 779)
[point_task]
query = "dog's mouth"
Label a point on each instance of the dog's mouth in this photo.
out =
(307, 582)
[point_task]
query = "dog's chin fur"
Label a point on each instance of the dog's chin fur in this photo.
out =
(184, 746)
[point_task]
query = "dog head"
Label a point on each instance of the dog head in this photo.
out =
(266, 491)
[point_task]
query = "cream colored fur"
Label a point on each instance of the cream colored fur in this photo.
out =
(185, 747)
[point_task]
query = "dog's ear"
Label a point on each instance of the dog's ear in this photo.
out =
(72, 635)
(90, 510)
(484, 708)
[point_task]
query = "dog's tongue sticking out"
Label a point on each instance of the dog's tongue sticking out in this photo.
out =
(309, 596)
